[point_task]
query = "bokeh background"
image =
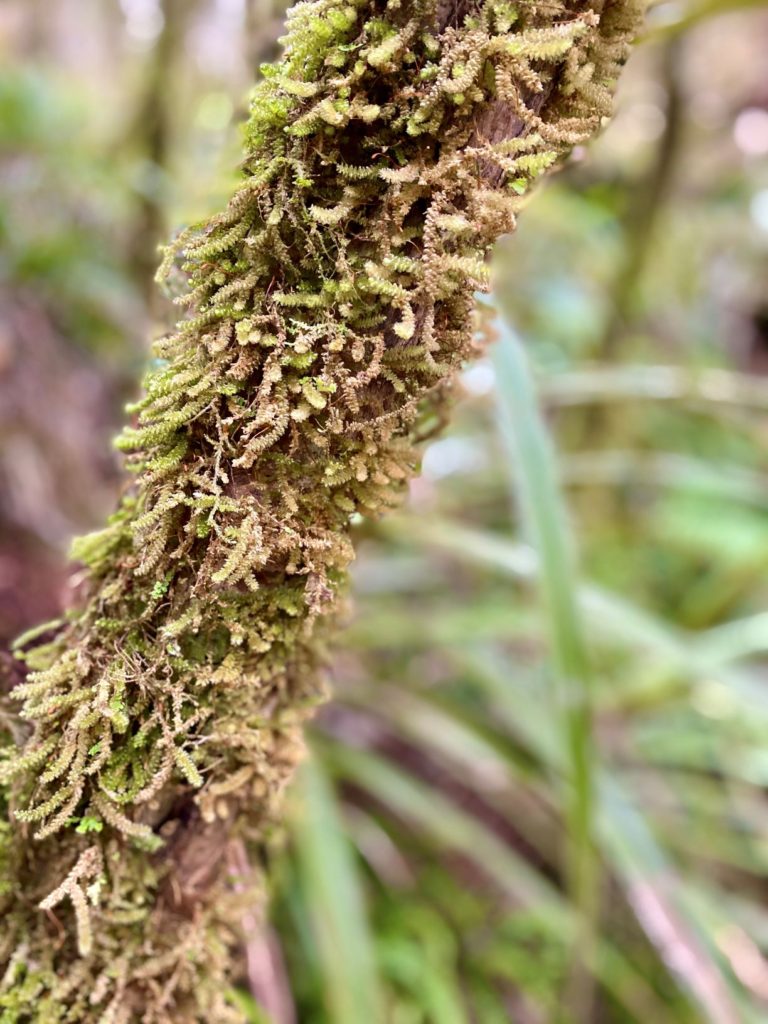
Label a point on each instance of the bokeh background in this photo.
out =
(595, 591)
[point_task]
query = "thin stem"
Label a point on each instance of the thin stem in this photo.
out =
(649, 197)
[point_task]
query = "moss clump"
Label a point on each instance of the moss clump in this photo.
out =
(329, 307)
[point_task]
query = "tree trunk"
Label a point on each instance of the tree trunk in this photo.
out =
(329, 308)
(151, 134)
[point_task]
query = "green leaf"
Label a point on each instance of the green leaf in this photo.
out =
(330, 879)
(535, 485)
(449, 826)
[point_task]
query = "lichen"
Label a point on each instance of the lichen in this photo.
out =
(328, 309)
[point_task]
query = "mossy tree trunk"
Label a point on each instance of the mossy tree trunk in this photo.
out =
(329, 306)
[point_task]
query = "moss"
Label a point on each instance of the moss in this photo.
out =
(328, 308)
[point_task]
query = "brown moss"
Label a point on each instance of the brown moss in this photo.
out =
(330, 305)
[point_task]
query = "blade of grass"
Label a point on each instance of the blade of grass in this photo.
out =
(334, 896)
(610, 383)
(658, 898)
(534, 484)
(692, 14)
(658, 895)
(613, 618)
(733, 641)
(619, 620)
(668, 470)
(435, 986)
(452, 828)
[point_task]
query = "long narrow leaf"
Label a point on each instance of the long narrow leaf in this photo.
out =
(535, 485)
(453, 829)
(334, 895)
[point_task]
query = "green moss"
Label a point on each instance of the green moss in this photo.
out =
(328, 307)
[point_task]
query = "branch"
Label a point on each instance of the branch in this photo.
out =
(329, 309)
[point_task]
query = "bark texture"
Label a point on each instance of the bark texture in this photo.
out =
(329, 307)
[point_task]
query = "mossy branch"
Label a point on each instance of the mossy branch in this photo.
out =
(330, 305)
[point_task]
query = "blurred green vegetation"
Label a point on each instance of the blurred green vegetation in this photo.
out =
(539, 794)
(54, 240)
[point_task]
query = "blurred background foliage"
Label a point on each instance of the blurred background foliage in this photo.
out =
(549, 731)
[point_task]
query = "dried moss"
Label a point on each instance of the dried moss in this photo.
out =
(329, 306)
